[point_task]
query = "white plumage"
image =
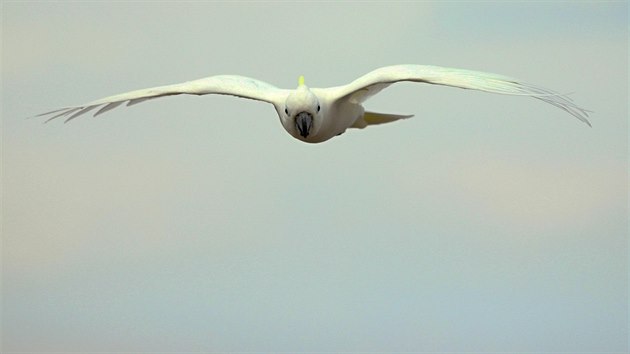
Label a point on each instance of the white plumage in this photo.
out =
(317, 114)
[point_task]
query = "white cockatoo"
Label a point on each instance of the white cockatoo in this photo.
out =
(314, 115)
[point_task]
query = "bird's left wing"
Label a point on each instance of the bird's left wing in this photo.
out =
(234, 85)
(373, 82)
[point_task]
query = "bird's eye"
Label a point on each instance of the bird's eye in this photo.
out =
(318, 108)
(286, 110)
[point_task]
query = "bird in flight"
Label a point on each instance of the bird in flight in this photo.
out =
(314, 115)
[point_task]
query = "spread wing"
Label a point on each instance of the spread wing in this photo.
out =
(372, 83)
(223, 85)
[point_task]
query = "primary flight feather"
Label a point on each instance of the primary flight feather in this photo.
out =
(315, 115)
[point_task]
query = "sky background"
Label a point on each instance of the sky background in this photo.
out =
(197, 224)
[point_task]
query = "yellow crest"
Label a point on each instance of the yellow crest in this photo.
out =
(301, 80)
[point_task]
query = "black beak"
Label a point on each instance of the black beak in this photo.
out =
(303, 123)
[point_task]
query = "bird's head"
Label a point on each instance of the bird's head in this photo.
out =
(301, 112)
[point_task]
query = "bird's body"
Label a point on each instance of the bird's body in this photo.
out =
(318, 114)
(337, 116)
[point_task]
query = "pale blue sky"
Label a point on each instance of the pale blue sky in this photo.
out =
(485, 223)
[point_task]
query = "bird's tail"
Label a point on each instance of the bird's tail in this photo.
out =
(373, 118)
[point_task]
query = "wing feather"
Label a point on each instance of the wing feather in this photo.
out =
(108, 107)
(373, 82)
(234, 85)
(66, 111)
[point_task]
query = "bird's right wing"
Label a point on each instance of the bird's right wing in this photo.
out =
(234, 85)
(373, 82)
